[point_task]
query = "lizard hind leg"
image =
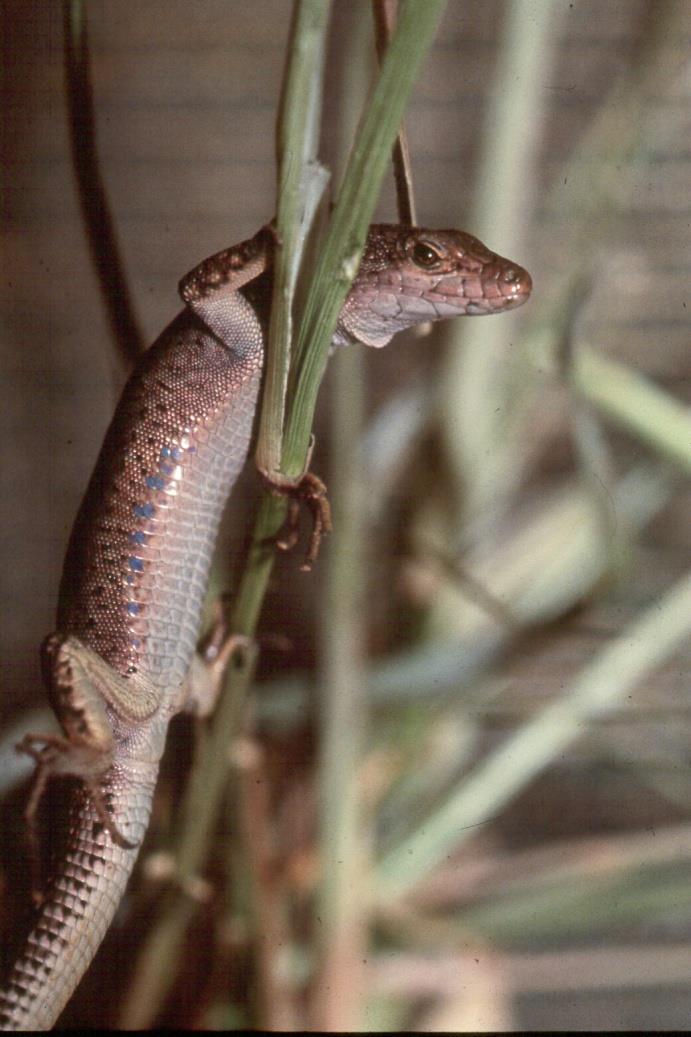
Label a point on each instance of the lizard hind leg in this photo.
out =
(57, 756)
(85, 750)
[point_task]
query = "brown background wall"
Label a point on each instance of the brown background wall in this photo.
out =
(186, 96)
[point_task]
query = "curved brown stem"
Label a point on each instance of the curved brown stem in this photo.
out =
(384, 20)
(91, 189)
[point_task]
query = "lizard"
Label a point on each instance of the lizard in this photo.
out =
(123, 659)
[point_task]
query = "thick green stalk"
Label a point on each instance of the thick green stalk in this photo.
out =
(341, 931)
(301, 183)
(352, 215)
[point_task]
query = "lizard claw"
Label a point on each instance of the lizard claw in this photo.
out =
(219, 644)
(200, 691)
(311, 491)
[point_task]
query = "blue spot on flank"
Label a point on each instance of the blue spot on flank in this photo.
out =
(135, 642)
(155, 482)
(144, 510)
(129, 578)
(165, 451)
(136, 564)
(133, 608)
(138, 537)
(176, 453)
(167, 469)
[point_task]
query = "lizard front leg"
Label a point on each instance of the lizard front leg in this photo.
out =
(211, 289)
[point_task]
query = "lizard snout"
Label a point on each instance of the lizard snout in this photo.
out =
(505, 285)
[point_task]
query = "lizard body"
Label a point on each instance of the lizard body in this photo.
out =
(137, 563)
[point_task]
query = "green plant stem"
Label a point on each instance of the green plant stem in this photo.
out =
(480, 381)
(634, 401)
(301, 183)
(350, 220)
(341, 929)
(645, 644)
(562, 912)
(594, 457)
(601, 169)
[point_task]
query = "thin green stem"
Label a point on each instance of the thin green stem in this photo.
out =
(479, 384)
(636, 403)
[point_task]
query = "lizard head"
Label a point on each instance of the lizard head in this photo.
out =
(411, 275)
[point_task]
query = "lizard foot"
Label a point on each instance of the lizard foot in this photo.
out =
(201, 690)
(217, 647)
(309, 490)
(57, 756)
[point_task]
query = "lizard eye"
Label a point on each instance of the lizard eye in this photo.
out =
(426, 256)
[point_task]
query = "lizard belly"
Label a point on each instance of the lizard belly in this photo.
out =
(177, 557)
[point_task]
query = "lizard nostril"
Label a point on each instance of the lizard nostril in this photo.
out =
(505, 285)
(516, 282)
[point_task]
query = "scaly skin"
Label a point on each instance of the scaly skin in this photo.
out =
(138, 559)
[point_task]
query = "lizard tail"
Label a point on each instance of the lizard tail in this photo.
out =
(81, 899)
